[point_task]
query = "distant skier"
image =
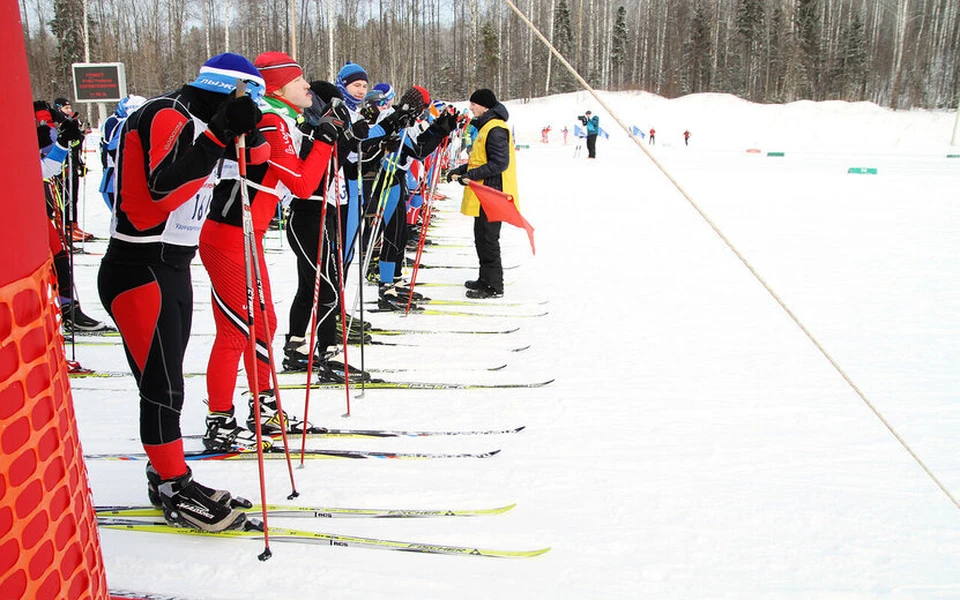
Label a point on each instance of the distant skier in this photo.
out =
(686, 137)
(652, 140)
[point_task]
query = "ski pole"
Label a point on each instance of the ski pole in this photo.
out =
(248, 250)
(363, 333)
(427, 214)
(318, 262)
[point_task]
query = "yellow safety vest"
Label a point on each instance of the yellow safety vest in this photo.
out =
(470, 205)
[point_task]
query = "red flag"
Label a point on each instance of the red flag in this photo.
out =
(499, 206)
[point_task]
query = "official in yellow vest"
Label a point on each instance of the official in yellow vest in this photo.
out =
(493, 163)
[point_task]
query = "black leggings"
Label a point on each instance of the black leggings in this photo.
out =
(303, 233)
(152, 306)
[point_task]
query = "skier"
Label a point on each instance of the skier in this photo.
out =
(652, 140)
(686, 137)
(303, 232)
(492, 163)
(222, 251)
(75, 169)
(168, 157)
(110, 140)
(52, 157)
(417, 142)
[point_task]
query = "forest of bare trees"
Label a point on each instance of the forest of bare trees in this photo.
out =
(897, 53)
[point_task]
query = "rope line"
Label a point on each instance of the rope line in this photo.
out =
(738, 254)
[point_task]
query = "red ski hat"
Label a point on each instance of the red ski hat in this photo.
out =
(423, 92)
(278, 69)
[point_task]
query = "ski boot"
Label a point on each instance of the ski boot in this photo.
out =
(272, 421)
(225, 435)
(221, 496)
(186, 503)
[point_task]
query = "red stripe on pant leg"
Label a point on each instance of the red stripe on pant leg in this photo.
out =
(167, 459)
(135, 312)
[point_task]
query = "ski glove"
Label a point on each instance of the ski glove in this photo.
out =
(329, 129)
(445, 123)
(392, 144)
(357, 131)
(236, 116)
(456, 174)
(69, 134)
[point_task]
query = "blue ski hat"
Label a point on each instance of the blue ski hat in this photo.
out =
(128, 105)
(387, 90)
(220, 75)
(349, 73)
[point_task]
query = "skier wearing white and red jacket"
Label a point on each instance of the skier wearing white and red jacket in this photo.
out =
(167, 164)
(222, 250)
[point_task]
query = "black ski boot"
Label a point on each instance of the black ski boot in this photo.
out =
(186, 503)
(222, 496)
(225, 435)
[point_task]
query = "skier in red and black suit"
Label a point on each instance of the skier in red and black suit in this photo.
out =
(167, 161)
(222, 242)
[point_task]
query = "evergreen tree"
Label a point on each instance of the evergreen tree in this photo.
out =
(563, 42)
(618, 50)
(778, 45)
(809, 54)
(849, 74)
(67, 28)
(747, 63)
(698, 52)
(489, 59)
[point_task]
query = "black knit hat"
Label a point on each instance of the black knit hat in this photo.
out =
(484, 98)
(325, 90)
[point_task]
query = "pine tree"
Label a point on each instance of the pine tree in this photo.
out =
(489, 58)
(698, 52)
(749, 32)
(563, 42)
(67, 27)
(618, 50)
(808, 31)
(778, 45)
(849, 74)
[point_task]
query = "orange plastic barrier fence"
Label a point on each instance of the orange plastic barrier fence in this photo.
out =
(49, 548)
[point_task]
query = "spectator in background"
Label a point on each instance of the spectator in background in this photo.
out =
(75, 169)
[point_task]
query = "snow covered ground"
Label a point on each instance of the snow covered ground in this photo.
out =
(695, 443)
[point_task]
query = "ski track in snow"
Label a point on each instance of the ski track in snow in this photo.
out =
(695, 444)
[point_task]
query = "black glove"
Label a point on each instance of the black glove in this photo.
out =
(390, 123)
(456, 173)
(369, 111)
(339, 110)
(392, 144)
(236, 116)
(329, 129)
(357, 131)
(445, 123)
(69, 133)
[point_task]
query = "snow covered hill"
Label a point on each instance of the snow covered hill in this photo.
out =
(695, 443)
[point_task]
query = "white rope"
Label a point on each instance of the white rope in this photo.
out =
(740, 256)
